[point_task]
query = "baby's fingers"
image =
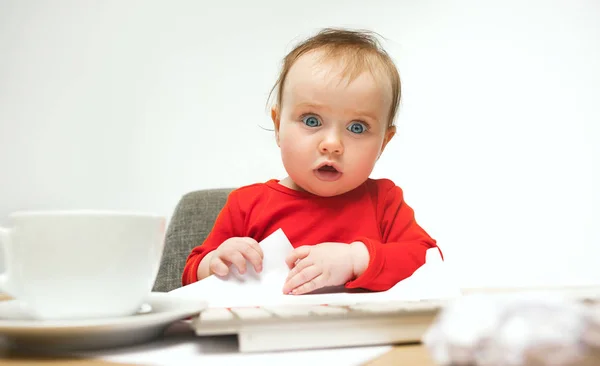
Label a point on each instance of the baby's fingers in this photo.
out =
(254, 244)
(237, 259)
(310, 286)
(299, 267)
(218, 267)
(303, 281)
(296, 255)
(254, 257)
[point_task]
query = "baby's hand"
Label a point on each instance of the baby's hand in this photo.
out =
(322, 265)
(236, 251)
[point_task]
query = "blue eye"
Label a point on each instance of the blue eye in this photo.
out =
(311, 121)
(357, 127)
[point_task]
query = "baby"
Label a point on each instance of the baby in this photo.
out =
(336, 99)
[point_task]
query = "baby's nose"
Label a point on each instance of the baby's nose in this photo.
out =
(331, 145)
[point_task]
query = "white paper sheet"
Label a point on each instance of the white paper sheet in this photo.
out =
(430, 281)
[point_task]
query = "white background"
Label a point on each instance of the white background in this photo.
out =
(130, 104)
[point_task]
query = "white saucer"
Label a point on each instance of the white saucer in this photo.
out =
(160, 311)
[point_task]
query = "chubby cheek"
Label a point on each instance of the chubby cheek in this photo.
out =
(294, 151)
(363, 159)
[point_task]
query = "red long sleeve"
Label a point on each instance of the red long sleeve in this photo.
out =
(374, 213)
(226, 226)
(400, 252)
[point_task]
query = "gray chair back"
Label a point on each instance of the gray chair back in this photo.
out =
(192, 220)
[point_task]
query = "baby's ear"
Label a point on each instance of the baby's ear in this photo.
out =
(276, 119)
(389, 134)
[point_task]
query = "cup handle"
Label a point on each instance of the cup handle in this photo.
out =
(4, 239)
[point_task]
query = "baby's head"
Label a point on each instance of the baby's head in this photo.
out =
(336, 99)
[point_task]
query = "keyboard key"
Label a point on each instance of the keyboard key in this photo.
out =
(251, 313)
(215, 315)
(380, 307)
(290, 311)
(305, 310)
(397, 306)
(328, 310)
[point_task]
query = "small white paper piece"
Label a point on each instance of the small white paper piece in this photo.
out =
(251, 288)
(430, 281)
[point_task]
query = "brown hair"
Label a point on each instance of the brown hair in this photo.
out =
(360, 50)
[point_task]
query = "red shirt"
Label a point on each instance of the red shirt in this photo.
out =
(374, 213)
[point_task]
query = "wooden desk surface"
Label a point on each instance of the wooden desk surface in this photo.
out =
(398, 355)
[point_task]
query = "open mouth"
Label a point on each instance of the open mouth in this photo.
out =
(327, 173)
(328, 168)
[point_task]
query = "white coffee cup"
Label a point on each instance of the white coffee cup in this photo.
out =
(81, 264)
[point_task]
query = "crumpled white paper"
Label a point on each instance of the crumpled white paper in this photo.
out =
(515, 330)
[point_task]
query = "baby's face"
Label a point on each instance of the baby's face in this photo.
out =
(331, 132)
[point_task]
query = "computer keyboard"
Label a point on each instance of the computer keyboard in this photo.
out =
(294, 327)
(274, 328)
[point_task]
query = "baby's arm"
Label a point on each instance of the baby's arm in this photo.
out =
(229, 223)
(402, 250)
